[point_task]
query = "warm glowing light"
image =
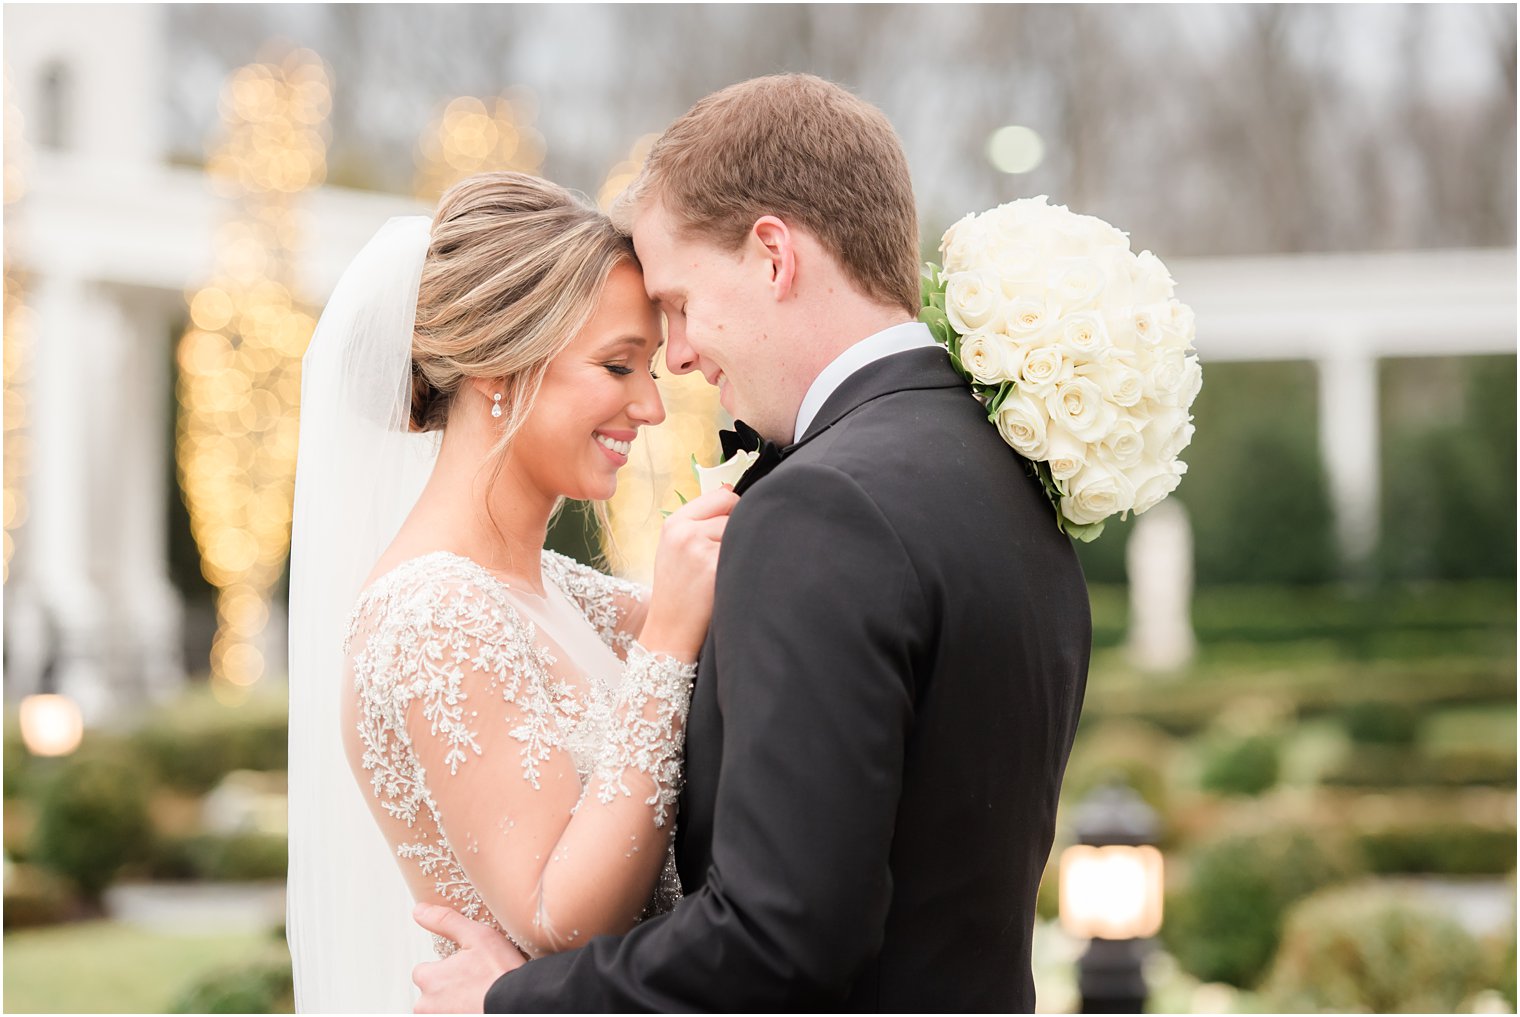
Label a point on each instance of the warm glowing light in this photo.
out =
(625, 172)
(51, 725)
(1111, 892)
(18, 331)
(1015, 149)
(479, 135)
(240, 361)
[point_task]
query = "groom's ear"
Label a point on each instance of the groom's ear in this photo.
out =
(776, 244)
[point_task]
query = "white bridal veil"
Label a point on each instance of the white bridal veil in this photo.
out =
(359, 472)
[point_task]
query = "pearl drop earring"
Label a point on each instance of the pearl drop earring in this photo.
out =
(496, 407)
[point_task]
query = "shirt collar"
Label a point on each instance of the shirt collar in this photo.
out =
(910, 335)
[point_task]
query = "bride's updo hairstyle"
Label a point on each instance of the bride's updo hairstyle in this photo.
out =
(515, 268)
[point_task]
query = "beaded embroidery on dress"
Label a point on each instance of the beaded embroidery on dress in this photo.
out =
(441, 648)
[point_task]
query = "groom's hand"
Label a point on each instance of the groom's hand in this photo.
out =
(459, 982)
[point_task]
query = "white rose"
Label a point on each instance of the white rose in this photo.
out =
(954, 245)
(1120, 383)
(710, 478)
(1192, 382)
(1066, 454)
(1177, 325)
(1078, 406)
(971, 300)
(1123, 446)
(1024, 318)
(1167, 434)
(1156, 482)
(1147, 322)
(1168, 375)
(983, 354)
(1043, 369)
(1095, 494)
(1153, 283)
(1086, 334)
(1077, 284)
(1021, 422)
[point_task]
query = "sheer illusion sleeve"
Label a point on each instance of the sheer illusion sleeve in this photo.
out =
(530, 796)
(616, 608)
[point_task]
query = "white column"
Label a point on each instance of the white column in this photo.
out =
(1159, 563)
(147, 608)
(70, 317)
(1348, 442)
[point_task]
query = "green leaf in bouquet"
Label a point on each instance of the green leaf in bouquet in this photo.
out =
(697, 476)
(1086, 534)
(930, 282)
(996, 402)
(682, 497)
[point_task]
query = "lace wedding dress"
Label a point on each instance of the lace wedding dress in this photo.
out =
(482, 717)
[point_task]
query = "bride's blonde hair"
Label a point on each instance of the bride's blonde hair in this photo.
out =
(515, 268)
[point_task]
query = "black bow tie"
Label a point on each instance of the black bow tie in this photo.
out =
(744, 438)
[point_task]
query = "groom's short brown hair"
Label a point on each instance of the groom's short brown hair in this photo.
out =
(805, 150)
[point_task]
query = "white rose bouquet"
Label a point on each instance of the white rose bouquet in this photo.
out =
(1077, 349)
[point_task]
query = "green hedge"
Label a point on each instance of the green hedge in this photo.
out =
(1384, 767)
(1368, 949)
(265, 986)
(195, 743)
(1439, 848)
(1448, 468)
(1381, 723)
(1224, 923)
(1239, 764)
(92, 820)
(221, 858)
(1188, 706)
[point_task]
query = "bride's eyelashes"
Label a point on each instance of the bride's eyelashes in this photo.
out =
(623, 370)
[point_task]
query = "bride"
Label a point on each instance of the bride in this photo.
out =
(476, 721)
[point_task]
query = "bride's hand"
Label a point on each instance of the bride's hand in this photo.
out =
(684, 565)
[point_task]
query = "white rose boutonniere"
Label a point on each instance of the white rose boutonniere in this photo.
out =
(710, 478)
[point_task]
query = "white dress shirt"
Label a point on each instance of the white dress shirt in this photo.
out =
(910, 335)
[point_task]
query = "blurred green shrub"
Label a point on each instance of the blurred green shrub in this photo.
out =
(1385, 767)
(231, 858)
(1448, 849)
(197, 741)
(1224, 924)
(1448, 468)
(1381, 723)
(35, 896)
(1186, 707)
(1137, 753)
(1368, 949)
(1239, 764)
(1256, 423)
(92, 819)
(262, 987)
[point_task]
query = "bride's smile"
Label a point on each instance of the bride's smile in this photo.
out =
(597, 394)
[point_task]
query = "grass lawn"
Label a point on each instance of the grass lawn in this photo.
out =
(106, 967)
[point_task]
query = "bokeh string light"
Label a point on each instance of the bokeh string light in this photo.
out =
(19, 330)
(240, 359)
(478, 135)
(651, 481)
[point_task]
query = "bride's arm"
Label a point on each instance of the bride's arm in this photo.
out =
(554, 865)
(616, 608)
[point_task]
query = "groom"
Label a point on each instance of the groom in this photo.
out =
(900, 635)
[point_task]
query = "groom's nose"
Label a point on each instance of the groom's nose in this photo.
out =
(680, 358)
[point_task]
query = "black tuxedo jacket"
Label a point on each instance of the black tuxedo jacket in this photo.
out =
(881, 719)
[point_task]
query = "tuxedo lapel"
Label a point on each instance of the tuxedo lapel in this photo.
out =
(925, 368)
